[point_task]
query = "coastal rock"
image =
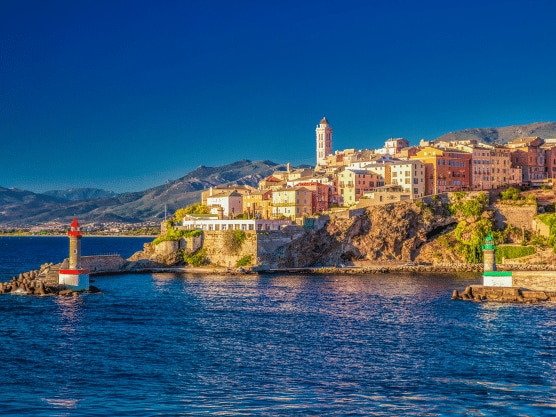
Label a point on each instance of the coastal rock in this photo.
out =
(41, 290)
(505, 294)
(94, 290)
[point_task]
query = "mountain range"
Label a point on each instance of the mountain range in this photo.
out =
(25, 208)
(501, 135)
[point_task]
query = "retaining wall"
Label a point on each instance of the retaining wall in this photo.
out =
(519, 216)
(535, 280)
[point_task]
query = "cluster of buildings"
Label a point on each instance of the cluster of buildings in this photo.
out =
(396, 172)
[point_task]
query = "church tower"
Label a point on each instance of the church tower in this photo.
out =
(324, 141)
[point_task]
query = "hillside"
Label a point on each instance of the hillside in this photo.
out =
(24, 208)
(77, 194)
(502, 135)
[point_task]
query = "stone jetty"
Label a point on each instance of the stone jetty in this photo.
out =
(504, 294)
(41, 282)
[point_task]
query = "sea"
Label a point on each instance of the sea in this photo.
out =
(267, 345)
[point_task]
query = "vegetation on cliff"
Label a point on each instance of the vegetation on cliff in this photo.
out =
(195, 208)
(198, 258)
(233, 240)
(474, 223)
(513, 196)
(174, 234)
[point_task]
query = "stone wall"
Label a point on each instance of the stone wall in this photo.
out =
(518, 216)
(219, 252)
(540, 228)
(272, 245)
(264, 247)
(534, 280)
(103, 263)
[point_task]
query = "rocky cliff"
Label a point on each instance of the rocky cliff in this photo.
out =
(439, 230)
(393, 232)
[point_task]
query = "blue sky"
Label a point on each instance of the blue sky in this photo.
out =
(124, 95)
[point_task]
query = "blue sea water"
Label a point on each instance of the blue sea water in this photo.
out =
(270, 345)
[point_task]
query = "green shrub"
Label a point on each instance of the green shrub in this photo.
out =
(471, 207)
(197, 259)
(511, 193)
(244, 261)
(195, 208)
(233, 240)
(173, 234)
(512, 252)
(470, 237)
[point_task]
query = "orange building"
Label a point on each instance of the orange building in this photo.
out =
(445, 169)
(321, 195)
(530, 157)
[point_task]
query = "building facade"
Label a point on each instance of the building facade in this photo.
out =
(409, 175)
(292, 203)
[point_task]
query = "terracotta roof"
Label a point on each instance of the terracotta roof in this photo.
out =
(273, 179)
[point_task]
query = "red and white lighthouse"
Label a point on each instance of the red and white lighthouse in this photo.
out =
(74, 277)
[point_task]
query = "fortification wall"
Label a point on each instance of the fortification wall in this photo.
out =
(220, 252)
(541, 228)
(103, 263)
(534, 280)
(272, 245)
(519, 216)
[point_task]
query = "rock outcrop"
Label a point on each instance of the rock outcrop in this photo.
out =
(393, 232)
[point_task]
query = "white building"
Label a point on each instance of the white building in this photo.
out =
(208, 224)
(393, 146)
(230, 201)
(410, 175)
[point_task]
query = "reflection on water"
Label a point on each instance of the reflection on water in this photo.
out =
(69, 312)
(377, 345)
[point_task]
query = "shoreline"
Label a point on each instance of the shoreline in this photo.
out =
(383, 268)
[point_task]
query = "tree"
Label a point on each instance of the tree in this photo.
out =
(195, 208)
(511, 193)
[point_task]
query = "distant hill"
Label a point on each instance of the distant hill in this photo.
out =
(503, 135)
(24, 208)
(77, 194)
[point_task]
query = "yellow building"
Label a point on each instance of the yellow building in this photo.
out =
(292, 203)
(258, 204)
(353, 183)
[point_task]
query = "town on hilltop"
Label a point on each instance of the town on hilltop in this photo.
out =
(397, 172)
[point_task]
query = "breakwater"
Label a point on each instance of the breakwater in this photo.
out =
(503, 294)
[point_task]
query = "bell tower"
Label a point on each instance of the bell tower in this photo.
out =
(324, 141)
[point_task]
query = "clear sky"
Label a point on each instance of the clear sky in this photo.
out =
(124, 95)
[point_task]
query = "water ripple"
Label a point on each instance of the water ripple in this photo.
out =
(276, 345)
